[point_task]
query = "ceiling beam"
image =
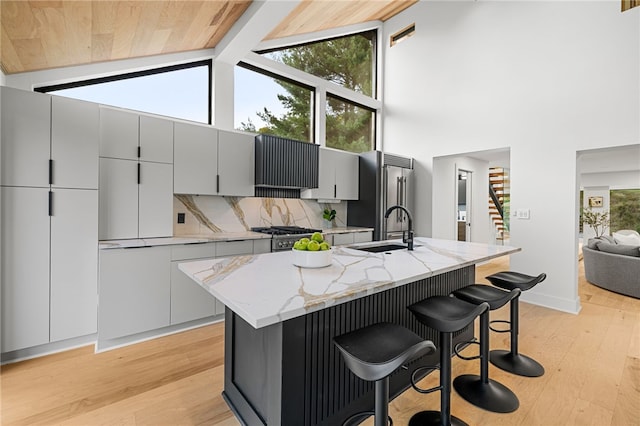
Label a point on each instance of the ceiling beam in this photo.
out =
(260, 18)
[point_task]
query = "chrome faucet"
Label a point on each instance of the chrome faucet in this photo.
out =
(408, 237)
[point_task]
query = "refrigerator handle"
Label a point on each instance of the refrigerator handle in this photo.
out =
(398, 198)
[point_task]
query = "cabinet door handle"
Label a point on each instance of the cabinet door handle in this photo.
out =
(217, 183)
(139, 151)
(335, 190)
(50, 172)
(139, 174)
(50, 203)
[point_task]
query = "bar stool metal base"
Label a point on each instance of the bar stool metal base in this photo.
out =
(518, 364)
(433, 418)
(492, 396)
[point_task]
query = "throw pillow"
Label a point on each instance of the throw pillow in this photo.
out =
(618, 249)
(608, 238)
(627, 239)
(593, 243)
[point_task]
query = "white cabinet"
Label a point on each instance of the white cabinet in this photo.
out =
(195, 161)
(118, 199)
(129, 209)
(133, 136)
(74, 263)
(118, 133)
(351, 238)
(25, 267)
(189, 301)
(26, 140)
(134, 291)
(208, 161)
(74, 143)
(48, 141)
(236, 159)
(136, 175)
(49, 218)
(155, 200)
(338, 178)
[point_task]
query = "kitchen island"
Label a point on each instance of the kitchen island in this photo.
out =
(281, 367)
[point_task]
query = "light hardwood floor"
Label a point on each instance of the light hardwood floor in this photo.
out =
(592, 363)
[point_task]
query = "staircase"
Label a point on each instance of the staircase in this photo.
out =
(499, 196)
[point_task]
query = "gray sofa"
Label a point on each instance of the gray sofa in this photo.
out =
(612, 266)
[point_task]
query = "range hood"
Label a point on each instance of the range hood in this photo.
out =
(284, 166)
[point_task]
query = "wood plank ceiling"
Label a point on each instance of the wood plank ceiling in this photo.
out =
(38, 35)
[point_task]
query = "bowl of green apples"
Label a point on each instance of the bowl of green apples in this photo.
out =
(312, 252)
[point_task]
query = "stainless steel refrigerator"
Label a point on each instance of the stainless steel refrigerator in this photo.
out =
(385, 180)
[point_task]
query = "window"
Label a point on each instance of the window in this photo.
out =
(624, 206)
(348, 61)
(181, 91)
(267, 103)
(350, 127)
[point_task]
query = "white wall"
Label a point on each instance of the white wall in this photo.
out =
(546, 79)
(445, 181)
(614, 180)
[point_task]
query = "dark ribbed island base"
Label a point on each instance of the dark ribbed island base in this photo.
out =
(290, 373)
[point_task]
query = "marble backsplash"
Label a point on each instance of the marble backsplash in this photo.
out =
(211, 214)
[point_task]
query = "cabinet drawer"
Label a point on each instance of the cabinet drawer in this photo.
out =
(193, 251)
(342, 239)
(362, 237)
(262, 246)
(230, 248)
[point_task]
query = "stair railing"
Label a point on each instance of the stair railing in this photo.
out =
(494, 197)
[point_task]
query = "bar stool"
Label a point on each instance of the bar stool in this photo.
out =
(373, 353)
(512, 361)
(446, 315)
(480, 390)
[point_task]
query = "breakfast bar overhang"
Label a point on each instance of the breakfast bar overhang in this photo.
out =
(281, 367)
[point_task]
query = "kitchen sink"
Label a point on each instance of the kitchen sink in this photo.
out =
(381, 248)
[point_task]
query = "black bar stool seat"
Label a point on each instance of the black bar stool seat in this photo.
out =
(446, 315)
(480, 390)
(374, 352)
(513, 361)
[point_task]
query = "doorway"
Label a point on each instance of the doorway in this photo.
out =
(463, 206)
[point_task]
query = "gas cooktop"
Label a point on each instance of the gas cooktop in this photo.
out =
(285, 230)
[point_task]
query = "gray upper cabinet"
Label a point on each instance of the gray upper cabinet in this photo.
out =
(208, 161)
(236, 159)
(118, 133)
(338, 179)
(136, 175)
(195, 161)
(26, 138)
(156, 139)
(48, 141)
(74, 143)
(128, 135)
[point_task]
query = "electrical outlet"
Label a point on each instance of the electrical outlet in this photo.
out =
(181, 217)
(521, 213)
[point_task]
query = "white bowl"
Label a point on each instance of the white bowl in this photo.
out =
(312, 259)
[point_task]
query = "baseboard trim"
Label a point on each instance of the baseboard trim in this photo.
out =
(110, 344)
(47, 349)
(571, 306)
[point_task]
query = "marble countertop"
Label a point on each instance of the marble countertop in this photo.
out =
(345, 230)
(267, 288)
(213, 237)
(183, 239)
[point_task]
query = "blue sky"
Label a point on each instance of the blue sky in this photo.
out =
(180, 94)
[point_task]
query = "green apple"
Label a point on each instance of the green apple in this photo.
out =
(317, 236)
(313, 246)
(324, 246)
(298, 246)
(304, 240)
